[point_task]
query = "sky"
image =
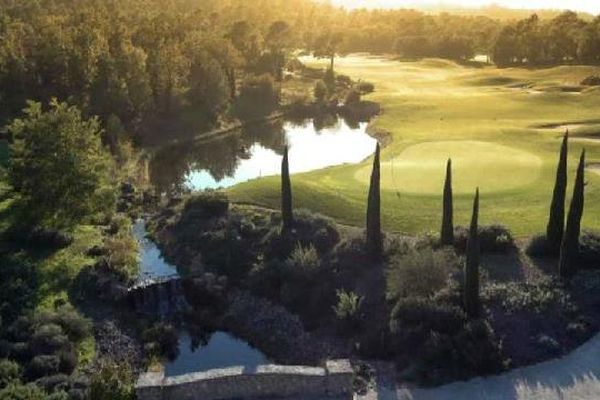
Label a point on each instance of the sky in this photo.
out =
(591, 6)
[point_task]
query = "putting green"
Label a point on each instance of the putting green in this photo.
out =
(420, 169)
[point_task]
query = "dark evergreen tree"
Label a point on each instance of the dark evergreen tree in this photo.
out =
(556, 222)
(447, 236)
(287, 215)
(569, 250)
(471, 288)
(374, 235)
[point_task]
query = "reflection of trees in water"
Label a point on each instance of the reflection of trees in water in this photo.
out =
(170, 165)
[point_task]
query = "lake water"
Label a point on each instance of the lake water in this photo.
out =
(256, 152)
(221, 351)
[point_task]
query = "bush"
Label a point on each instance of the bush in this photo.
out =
(420, 272)
(161, 340)
(541, 297)
(10, 372)
(589, 249)
(352, 97)
(343, 80)
(43, 366)
(301, 277)
(538, 246)
(350, 254)
(17, 391)
(365, 87)
(309, 229)
(413, 318)
(208, 204)
(320, 91)
(258, 96)
(474, 350)
(492, 239)
(48, 339)
(18, 280)
(347, 310)
(123, 256)
(112, 382)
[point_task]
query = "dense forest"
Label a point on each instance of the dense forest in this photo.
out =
(134, 63)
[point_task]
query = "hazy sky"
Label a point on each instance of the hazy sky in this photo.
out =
(592, 6)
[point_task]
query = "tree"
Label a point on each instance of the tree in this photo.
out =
(471, 289)
(569, 250)
(327, 45)
(320, 91)
(374, 235)
(287, 215)
(278, 39)
(59, 165)
(447, 236)
(556, 222)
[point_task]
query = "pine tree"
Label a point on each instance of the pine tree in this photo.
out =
(556, 222)
(569, 250)
(471, 287)
(287, 215)
(447, 236)
(374, 235)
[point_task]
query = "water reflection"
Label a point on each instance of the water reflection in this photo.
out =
(256, 152)
(220, 350)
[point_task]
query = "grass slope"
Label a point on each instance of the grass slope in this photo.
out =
(501, 126)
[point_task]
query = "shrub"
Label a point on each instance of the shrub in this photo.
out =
(48, 339)
(17, 391)
(350, 254)
(320, 91)
(365, 87)
(123, 256)
(112, 382)
(43, 366)
(538, 246)
(304, 261)
(347, 309)
(589, 249)
(208, 204)
(10, 372)
(352, 97)
(161, 340)
(54, 382)
(343, 80)
(537, 298)
(258, 96)
(329, 79)
(492, 239)
(420, 272)
(413, 318)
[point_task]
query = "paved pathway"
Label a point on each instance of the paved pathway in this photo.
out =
(572, 377)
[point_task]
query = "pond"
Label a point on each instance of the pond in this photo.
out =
(256, 151)
(219, 350)
(222, 350)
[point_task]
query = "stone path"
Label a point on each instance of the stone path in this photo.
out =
(569, 377)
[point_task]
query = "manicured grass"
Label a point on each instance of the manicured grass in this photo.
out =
(488, 120)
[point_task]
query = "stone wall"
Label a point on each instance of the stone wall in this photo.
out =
(334, 380)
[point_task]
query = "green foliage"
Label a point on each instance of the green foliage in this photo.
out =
(10, 372)
(18, 391)
(556, 221)
(492, 239)
(161, 340)
(447, 235)
(258, 96)
(413, 318)
(208, 204)
(421, 272)
(18, 284)
(471, 287)
(59, 165)
(112, 382)
(569, 250)
(122, 257)
(348, 309)
(352, 97)
(374, 241)
(539, 298)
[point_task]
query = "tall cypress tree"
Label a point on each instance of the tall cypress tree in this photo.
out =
(287, 215)
(374, 235)
(471, 287)
(447, 236)
(556, 222)
(569, 250)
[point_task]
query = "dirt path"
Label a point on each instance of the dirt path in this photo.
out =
(569, 377)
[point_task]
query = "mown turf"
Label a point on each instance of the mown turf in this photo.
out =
(502, 126)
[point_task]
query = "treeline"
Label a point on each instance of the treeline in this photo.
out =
(566, 38)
